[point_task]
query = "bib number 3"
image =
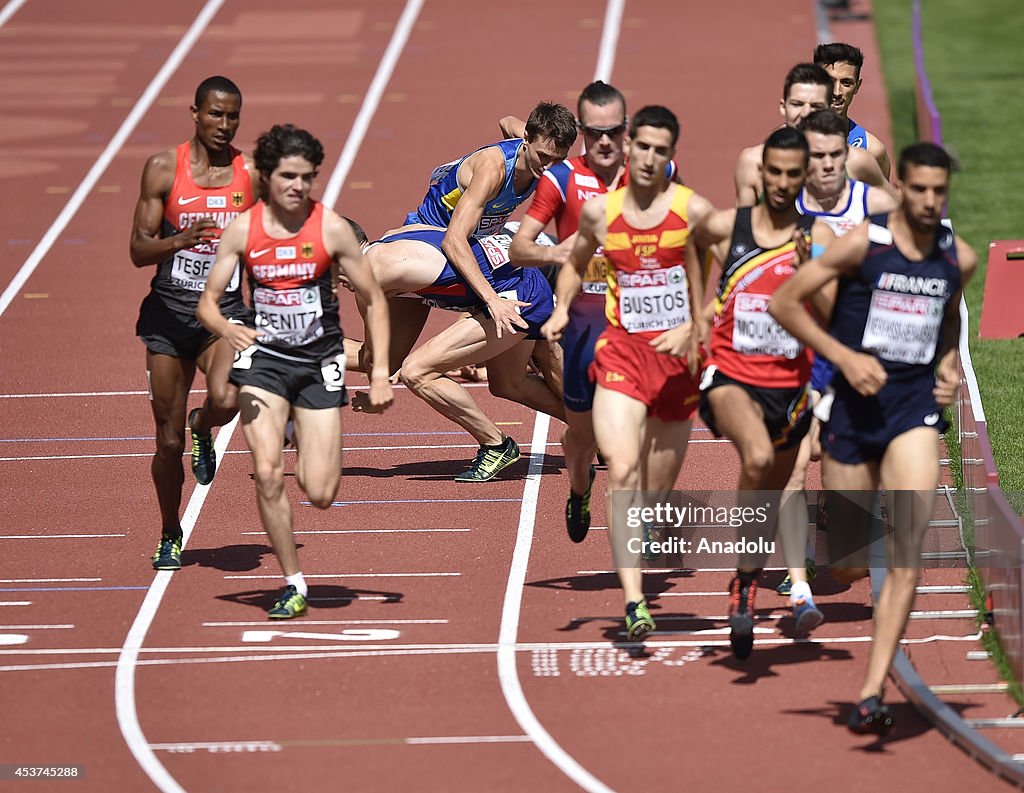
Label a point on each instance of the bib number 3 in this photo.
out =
(333, 372)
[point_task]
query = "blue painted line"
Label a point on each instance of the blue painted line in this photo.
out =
(73, 589)
(423, 501)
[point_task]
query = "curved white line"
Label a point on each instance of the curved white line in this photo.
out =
(10, 10)
(508, 673)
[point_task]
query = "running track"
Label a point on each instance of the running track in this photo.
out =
(457, 640)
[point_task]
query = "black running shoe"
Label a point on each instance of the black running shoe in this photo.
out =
(741, 616)
(204, 457)
(870, 717)
(490, 461)
(168, 554)
(577, 512)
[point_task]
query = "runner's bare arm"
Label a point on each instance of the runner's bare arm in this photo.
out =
(862, 371)
(146, 245)
(512, 127)
(484, 174)
(877, 150)
(863, 167)
(341, 243)
(525, 252)
(748, 177)
(822, 237)
(947, 372)
(229, 250)
(590, 235)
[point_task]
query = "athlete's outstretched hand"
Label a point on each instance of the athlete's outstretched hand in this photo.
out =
(505, 316)
(863, 372)
(553, 329)
(378, 399)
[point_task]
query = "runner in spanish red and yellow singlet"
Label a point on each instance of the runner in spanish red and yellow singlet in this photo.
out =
(645, 360)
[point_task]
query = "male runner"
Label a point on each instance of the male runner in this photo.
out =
(893, 337)
(475, 195)
(754, 389)
(188, 194)
(843, 62)
(559, 197)
(292, 362)
(646, 360)
(807, 87)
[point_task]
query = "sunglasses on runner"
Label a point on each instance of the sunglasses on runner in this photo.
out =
(597, 132)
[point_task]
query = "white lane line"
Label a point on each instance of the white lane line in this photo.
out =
(15, 602)
(60, 536)
(35, 627)
(352, 575)
(609, 40)
(10, 10)
(44, 580)
(193, 392)
(360, 531)
(106, 157)
(470, 739)
(508, 671)
(369, 107)
(263, 623)
(221, 747)
(128, 657)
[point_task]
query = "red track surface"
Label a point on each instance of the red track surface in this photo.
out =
(325, 709)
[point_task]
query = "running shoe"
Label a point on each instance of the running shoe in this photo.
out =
(742, 591)
(290, 604)
(204, 457)
(650, 535)
(577, 512)
(870, 717)
(168, 554)
(490, 461)
(787, 583)
(807, 616)
(638, 621)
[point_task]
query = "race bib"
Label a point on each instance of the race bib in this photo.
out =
(189, 270)
(333, 372)
(903, 328)
(290, 317)
(495, 248)
(595, 278)
(755, 331)
(653, 300)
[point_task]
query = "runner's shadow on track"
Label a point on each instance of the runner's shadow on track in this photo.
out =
(321, 596)
(233, 558)
(440, 470)
(654, 583)
(764, 660)
(907, 723)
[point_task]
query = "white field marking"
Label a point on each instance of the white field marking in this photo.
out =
(61, 536)
(354, 140)
(218, 747)
(263, 623)
(352, 575)
(128, 656)
(361, 531)
(933, 589)
(193, 392)
(470, 739)
(276, 746)
(44, 580)
(87, 184)
(316, 652)
(609, 40)
(12, 638)
(353, 635)
(15, 602)
(706, 632)
(656, 595)
(35, 627)
(662, 571)
(349, 598)
(445, 649)
(10, 10)
(508, 671)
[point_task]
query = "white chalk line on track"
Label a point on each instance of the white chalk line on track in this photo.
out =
(265, 653)
(10, 10)
(124, 686)
(87, 184)
(276, 746)
(351, 575)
